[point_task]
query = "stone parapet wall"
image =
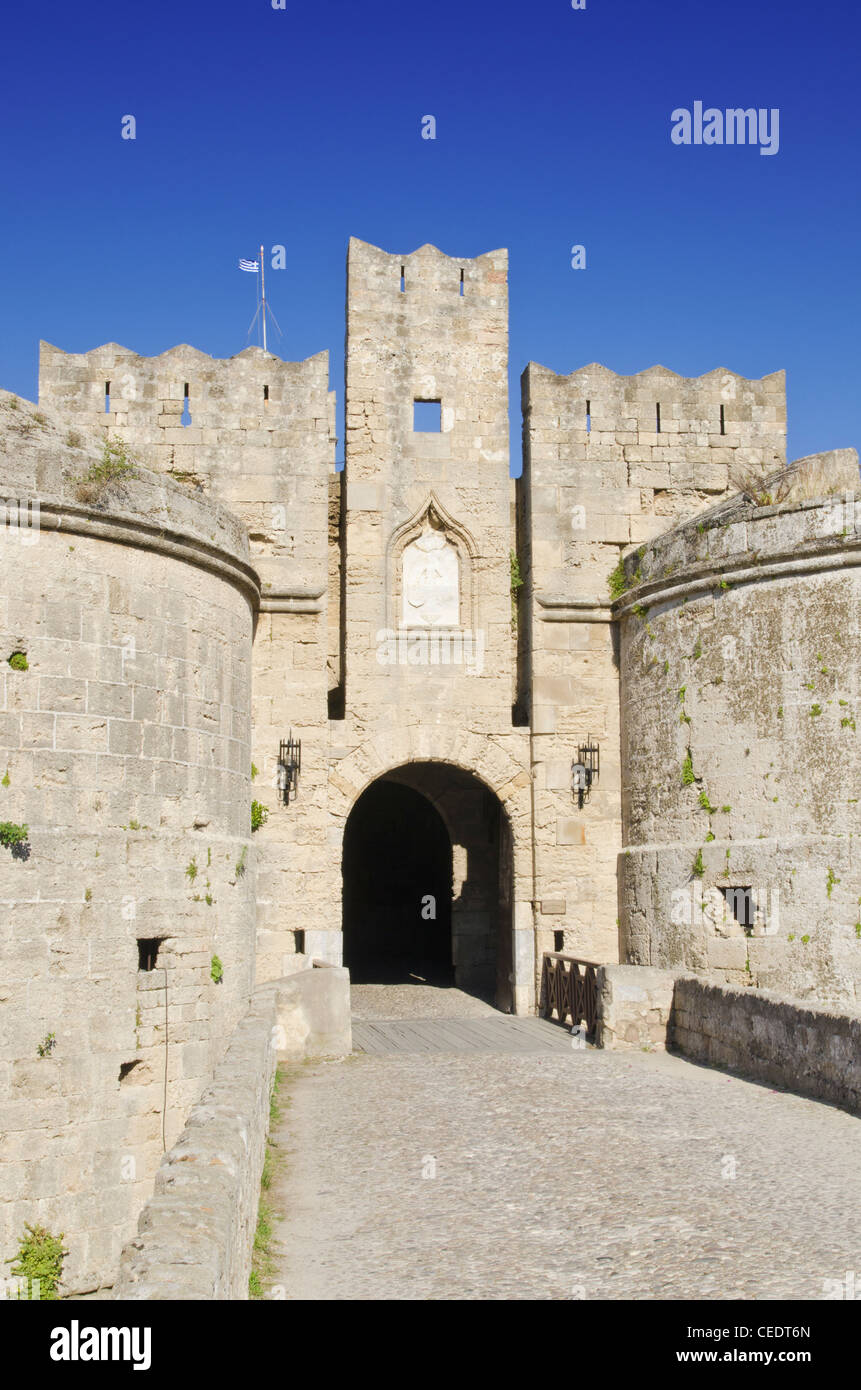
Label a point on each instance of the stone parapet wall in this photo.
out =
(634, 1007)
(814, 1051)
(196, 1233)
(810, 1049)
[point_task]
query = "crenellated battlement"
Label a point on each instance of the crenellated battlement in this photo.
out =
(612, 460)
(253, 392)
(256, 432)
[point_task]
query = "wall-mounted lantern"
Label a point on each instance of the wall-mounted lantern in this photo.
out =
(289, 766)
(585, 770)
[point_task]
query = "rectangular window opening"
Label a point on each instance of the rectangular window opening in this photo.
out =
(588, 417)
(559, 942)
(403, 280)
(107, 398)
(657, 417)
(740, 901)
(461, 284)
(722, 422)
(148, 948)
(265, 395)
(427, 417)
(186, 413)
(299, 936)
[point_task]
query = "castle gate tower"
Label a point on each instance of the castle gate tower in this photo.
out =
(424, 751)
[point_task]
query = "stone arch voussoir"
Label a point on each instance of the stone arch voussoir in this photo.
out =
(507, 777)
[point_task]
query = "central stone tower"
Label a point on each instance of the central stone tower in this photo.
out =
(427, 644)
(428, 493)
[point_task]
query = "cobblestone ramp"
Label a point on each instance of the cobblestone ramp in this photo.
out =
(502, 1034)
(573, 1174)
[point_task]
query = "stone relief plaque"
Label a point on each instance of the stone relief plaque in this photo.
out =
(431, 591)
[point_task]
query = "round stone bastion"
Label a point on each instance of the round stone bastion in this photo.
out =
(740, 713)
(126, 869)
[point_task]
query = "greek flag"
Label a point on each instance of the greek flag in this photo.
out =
(253, 266)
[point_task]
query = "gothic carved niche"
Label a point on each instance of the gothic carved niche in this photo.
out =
(430, 571)
(430, 588)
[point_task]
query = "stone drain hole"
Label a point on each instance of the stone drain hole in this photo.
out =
(126, 1069)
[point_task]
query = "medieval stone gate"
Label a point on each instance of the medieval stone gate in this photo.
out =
(427, 882)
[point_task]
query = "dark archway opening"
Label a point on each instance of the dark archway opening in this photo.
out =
(430, 830)
(397, 875)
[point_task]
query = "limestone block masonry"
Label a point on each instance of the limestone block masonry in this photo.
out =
(813, 1050)
(740, 704)
(608, 462)
(125, 750)
(189, 581)
(196, 1233)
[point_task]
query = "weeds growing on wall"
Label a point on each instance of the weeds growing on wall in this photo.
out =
(516, 583)
(18, 661)
(13, 836)
(216, 970)
(259, 815)
(114, 466)
(39, 1263)
(262, 1262)
(618, 582)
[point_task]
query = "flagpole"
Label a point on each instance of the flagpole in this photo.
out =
(263, 295)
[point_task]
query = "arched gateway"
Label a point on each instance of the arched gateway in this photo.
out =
(427, 869)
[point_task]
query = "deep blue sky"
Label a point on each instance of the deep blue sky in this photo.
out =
(303, 128)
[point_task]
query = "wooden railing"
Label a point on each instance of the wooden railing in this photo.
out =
(569, 988)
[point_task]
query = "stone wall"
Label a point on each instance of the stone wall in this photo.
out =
(196, 1233)
(601, 472)
(811, 1049)
(125, 750)
(815, 1051)
(427, 327)
(740, 700)
(257, 434)
(635, 1006)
